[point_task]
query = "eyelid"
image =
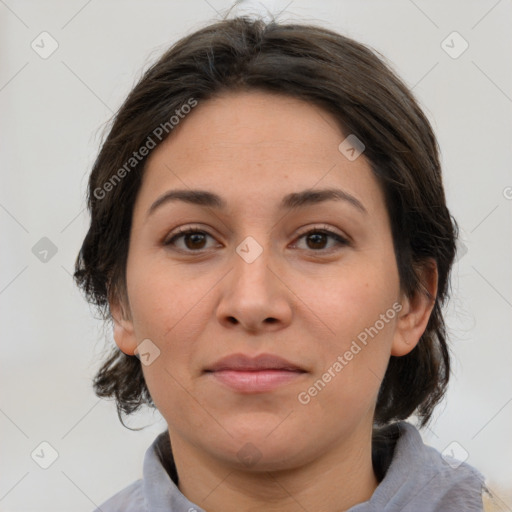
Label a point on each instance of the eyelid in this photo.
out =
(324, 228)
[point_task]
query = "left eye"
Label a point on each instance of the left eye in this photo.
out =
(319, 237)
(195, 239)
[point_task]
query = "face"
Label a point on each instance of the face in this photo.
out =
(276, 250)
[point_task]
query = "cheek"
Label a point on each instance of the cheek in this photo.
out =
(354, 363)
(171, 314)
(358, 310)
(353, 299)
(161, 300)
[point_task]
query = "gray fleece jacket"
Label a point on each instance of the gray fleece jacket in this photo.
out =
(417, 479)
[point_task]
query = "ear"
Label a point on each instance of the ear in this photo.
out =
(124, 335)
(415, 313)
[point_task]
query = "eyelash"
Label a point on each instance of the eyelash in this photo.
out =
(182, 232)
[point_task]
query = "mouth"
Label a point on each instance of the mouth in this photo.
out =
(260, 374)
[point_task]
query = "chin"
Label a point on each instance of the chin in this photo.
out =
(263, 449)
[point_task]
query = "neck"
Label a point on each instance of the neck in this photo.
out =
(333, 482)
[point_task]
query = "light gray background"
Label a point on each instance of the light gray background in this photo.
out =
(52, 113)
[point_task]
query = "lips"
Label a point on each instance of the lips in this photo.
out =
(241, 362)
(260, 374)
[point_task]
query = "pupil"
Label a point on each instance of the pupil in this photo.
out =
(317, 238)
(194, 238)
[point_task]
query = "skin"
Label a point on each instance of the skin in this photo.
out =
(304, 298)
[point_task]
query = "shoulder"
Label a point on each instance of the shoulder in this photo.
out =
(429, 459)
(129, 499)
(421, 478)
(453, 481)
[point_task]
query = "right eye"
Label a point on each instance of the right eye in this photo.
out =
(193, 239)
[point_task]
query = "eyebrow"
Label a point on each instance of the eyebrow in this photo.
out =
(294, 200)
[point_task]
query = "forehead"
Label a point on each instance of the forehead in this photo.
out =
(257, 146)
(259, 123)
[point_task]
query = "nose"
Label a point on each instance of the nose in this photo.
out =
(254, 295)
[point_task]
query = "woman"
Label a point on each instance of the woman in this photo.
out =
(270, 238)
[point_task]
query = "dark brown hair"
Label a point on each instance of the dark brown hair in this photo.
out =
(327, 69)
